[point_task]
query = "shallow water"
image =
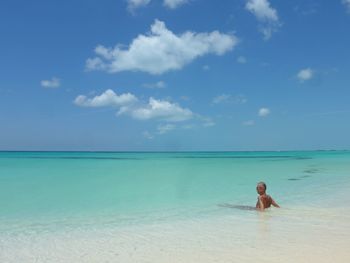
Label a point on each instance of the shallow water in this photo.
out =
(173, 207)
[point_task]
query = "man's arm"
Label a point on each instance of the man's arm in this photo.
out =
(274, 203)
(261, 204)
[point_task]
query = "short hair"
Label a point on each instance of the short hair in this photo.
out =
(263, 184)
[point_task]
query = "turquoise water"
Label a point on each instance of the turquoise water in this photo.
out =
(131, 187)
(167, 207)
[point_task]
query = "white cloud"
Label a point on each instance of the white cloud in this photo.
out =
(266, 15)
(227, 98)
(263, 112)
(133, 4)
(107, 98)
(241, 60)
(305, 74)
(52, 83)
(158, 109)
(158, 85)
(95, 64)
(127, 104)
(164, 128)
(347, 4)
(262, 10)
(172, 4)
(160, 51)
(248, 123)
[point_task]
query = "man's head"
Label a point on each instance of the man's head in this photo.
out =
(261, 188)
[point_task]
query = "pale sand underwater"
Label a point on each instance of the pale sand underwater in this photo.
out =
(274, 236)
(177, 208)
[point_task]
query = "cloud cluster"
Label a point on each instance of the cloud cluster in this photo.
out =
(129, 104)
(158, 109)
(160, 51)
(266, 15)
(305, 74)
(262, 112)
(52, 83)
(107, 99)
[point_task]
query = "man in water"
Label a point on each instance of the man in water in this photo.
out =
(264, 200)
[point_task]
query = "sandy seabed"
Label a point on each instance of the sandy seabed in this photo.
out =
(295, 235)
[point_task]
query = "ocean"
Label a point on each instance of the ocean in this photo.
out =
(173, 207)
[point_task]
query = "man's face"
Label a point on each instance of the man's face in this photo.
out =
(260, 188)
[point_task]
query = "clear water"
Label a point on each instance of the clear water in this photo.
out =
(48, 194)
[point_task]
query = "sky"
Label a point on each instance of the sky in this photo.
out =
(174, 75)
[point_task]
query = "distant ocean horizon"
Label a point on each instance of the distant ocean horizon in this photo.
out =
(170, 151)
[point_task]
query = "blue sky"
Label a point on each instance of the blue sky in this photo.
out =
(174, 75)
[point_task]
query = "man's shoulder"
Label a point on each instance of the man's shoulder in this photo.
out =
(262, 196)
(267, 197)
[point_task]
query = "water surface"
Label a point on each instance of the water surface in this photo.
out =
(114, 201)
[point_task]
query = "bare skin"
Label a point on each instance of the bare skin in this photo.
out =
(264, 200)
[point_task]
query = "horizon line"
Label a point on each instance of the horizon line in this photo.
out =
(175, 151)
